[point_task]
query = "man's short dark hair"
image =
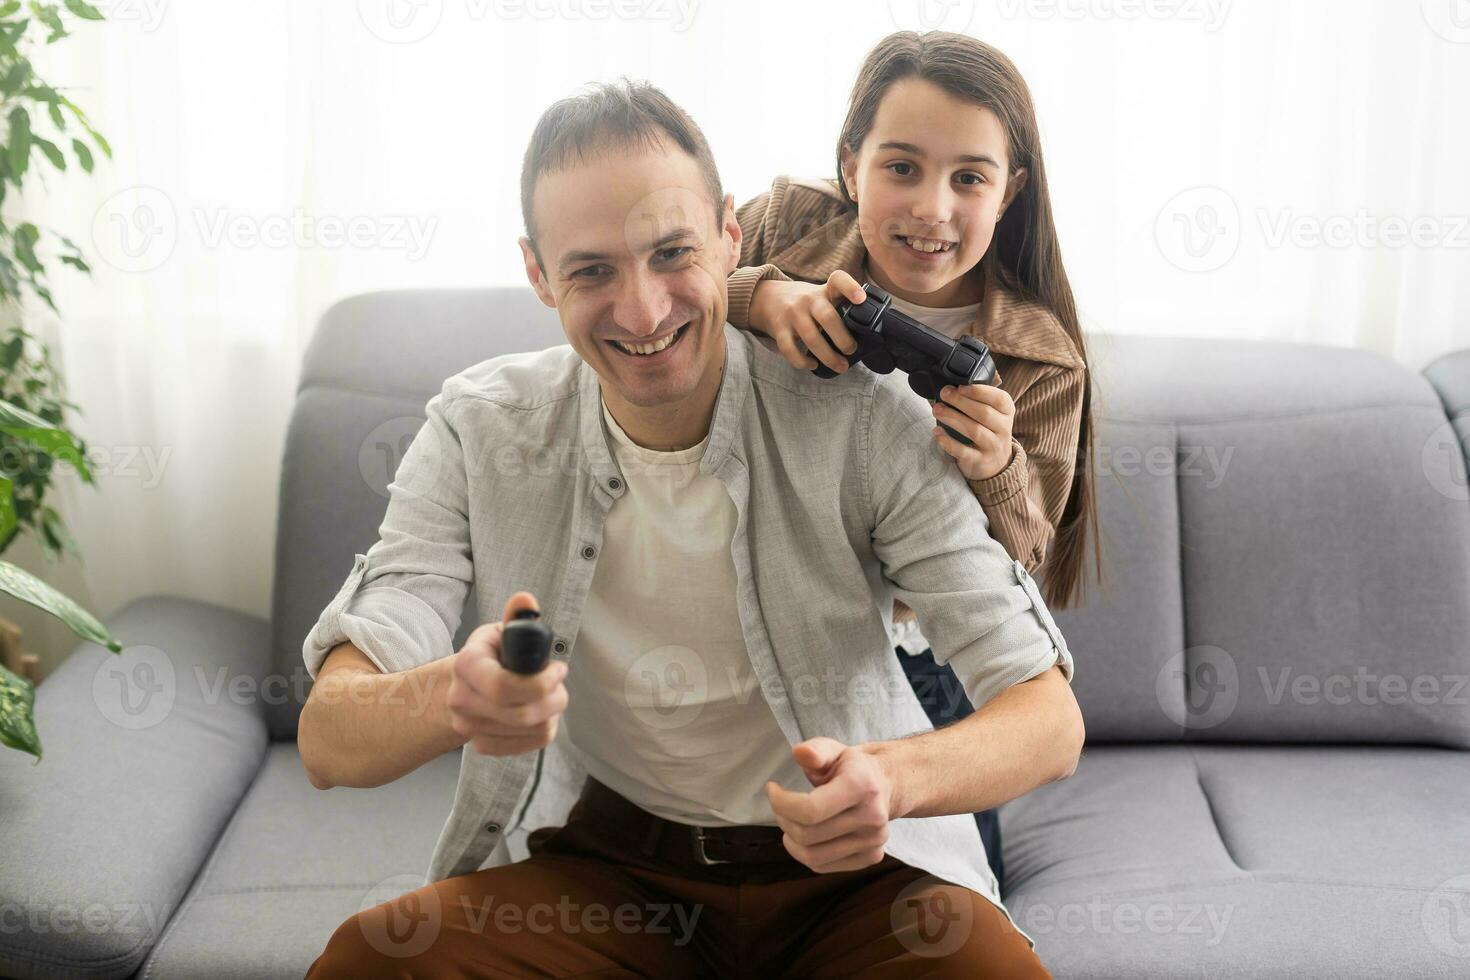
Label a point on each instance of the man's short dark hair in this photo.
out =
(619, 114)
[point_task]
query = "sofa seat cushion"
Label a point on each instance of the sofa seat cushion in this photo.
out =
(295, 862)
(1247, 861)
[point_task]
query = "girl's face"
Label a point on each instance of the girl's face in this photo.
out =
(930, 180)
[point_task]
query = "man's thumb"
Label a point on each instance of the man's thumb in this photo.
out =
(816, 754)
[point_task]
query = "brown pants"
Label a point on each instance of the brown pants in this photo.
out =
(602, 898)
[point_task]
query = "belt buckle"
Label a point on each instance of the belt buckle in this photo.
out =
(699, 851)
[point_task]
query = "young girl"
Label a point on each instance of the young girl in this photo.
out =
(942, 200)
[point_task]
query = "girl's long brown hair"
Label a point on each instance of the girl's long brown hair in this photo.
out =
(1024, 255)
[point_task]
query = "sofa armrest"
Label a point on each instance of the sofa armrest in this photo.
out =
(145, 755)
(1450, 376)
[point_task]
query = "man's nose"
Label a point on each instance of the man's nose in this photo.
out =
(642, 305)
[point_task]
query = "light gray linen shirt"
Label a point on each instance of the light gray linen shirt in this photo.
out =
(843, 502)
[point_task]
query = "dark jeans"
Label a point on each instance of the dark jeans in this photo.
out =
(944, 700)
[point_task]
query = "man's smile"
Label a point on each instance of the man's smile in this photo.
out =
(654, 351)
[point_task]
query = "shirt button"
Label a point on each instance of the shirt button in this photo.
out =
(492, 828)
(588, 552)
(559, 646)
(615, 484)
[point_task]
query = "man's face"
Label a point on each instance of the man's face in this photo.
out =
(635, 252)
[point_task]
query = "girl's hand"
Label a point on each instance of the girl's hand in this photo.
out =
(802, 317)
(984, 415)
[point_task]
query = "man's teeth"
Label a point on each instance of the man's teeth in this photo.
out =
(927, 244)
(650, 348)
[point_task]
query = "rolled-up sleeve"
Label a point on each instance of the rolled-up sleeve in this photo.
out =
(978, 607)
(402, 602)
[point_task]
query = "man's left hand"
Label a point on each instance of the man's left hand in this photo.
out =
(842, 824)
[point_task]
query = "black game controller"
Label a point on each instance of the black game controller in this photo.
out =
(525, 643)
(888, 338)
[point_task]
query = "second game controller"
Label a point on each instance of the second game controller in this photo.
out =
(888, 338)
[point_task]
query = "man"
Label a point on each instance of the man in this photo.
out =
(762, 793)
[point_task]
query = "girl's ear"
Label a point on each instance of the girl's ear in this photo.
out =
(1014, 185)
(849, 173)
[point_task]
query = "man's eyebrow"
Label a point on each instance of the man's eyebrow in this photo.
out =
(916, 151)
(576, 258)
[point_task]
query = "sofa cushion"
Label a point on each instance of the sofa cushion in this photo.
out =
(1303, 502)
(1244, 861)
(295, 863)
(146, 753)
(374, 362)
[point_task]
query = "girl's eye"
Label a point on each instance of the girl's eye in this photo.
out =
(901, 168)
(975, 181)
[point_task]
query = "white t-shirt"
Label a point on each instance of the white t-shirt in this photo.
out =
(953, 323)
(664, 707)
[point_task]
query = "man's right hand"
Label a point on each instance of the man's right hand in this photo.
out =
(499, 711)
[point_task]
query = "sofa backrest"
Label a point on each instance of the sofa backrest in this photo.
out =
(1286, 528)
(372, 365)
(1286, 544)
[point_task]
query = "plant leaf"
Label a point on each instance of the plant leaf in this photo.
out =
(84, 155)
(52, 520)
(17, 713)
(52, 151)
(18, 152)
(44, 436)
(24, 586)
(8, 519)
(25, 246)
(83, 10)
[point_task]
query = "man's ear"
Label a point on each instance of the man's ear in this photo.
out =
(534, 272)
(732, 234)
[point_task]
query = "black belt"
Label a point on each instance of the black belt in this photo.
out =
(740, 844)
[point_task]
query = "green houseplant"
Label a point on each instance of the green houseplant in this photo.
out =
(38, 120)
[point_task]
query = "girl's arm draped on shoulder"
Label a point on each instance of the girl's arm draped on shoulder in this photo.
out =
(757, 218)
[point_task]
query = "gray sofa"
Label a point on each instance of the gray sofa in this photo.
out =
(1276, 781)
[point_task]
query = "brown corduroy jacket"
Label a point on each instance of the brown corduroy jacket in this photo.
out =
(802, 229)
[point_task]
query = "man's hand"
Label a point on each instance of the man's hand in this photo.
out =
(499, 711)
(842, 824)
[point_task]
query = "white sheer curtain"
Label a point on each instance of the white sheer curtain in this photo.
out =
(272, 158)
